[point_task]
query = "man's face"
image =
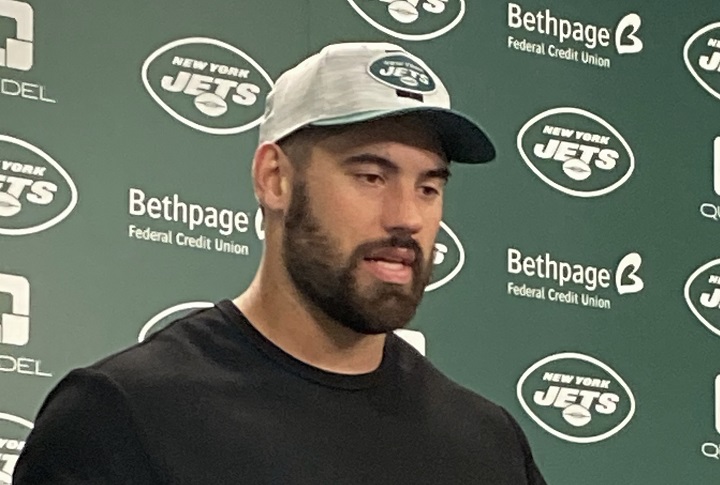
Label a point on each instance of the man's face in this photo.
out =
(360, 230)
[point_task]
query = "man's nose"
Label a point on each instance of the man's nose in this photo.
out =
(402, 210)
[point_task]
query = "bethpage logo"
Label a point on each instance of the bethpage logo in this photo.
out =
(36, 193)
(197, 220)
(15, 326)
(702, 57)
(711, 210)
(16, 52)
(576, 152)
(169, 315)
(711, 449)
(595, 39)
(411, 19)
(207, 84)
(572, 283)
(576, 397)
(13, 432)
(702, 295)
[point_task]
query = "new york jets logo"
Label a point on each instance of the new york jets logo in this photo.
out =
(576, 397)
(411, 19)
(13, 432)
(702, 57)
(207, 84)
(402, 72)
(448, 258)
(702, 295)
(36, 193)
(576, 152)
(169, 315)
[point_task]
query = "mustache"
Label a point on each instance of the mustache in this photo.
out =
(394, 241)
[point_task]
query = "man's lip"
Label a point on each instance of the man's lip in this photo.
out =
(396, 273)
(405, 256)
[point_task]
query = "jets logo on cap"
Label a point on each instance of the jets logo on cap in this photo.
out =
(402, 72)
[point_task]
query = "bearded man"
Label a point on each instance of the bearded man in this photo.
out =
(300, 379)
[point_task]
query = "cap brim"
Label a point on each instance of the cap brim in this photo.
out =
(463, 140)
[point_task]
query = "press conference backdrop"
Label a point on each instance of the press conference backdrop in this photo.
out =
(577, 277)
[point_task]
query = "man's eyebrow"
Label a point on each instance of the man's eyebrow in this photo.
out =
(440, 172)
(371, 158)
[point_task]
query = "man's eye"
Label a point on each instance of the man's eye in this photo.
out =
(429, 190)
(372, 178)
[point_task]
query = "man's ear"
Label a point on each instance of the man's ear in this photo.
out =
(272, 176)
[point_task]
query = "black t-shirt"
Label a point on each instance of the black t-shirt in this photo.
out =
(210, 400)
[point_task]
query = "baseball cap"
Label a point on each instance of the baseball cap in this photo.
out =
(354, 82)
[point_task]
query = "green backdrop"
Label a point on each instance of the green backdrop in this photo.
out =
(577, 277)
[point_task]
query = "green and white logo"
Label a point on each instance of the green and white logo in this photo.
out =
(402, 72)
(15, 316)
(173, 220)
(702, 57)
(448, 259)
(36, 193)
(207, 84)
(411, 19)
(576, 152)
(16, 51)
(702, 295)
(13, 432)
(169, 315)
(571, 39)
(576, 397)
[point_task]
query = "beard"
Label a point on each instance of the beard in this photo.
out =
(326, 280)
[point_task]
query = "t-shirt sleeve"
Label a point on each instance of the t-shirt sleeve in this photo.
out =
(534, 477)
(84, 434)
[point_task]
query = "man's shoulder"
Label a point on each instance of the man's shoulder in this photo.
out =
(178, 349)
(452, 409)
(443, 390)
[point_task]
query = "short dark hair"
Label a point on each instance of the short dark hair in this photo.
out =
(298, 144)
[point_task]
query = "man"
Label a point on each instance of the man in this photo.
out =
(300, 379)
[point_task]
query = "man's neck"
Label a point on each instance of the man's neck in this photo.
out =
(277, 311)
